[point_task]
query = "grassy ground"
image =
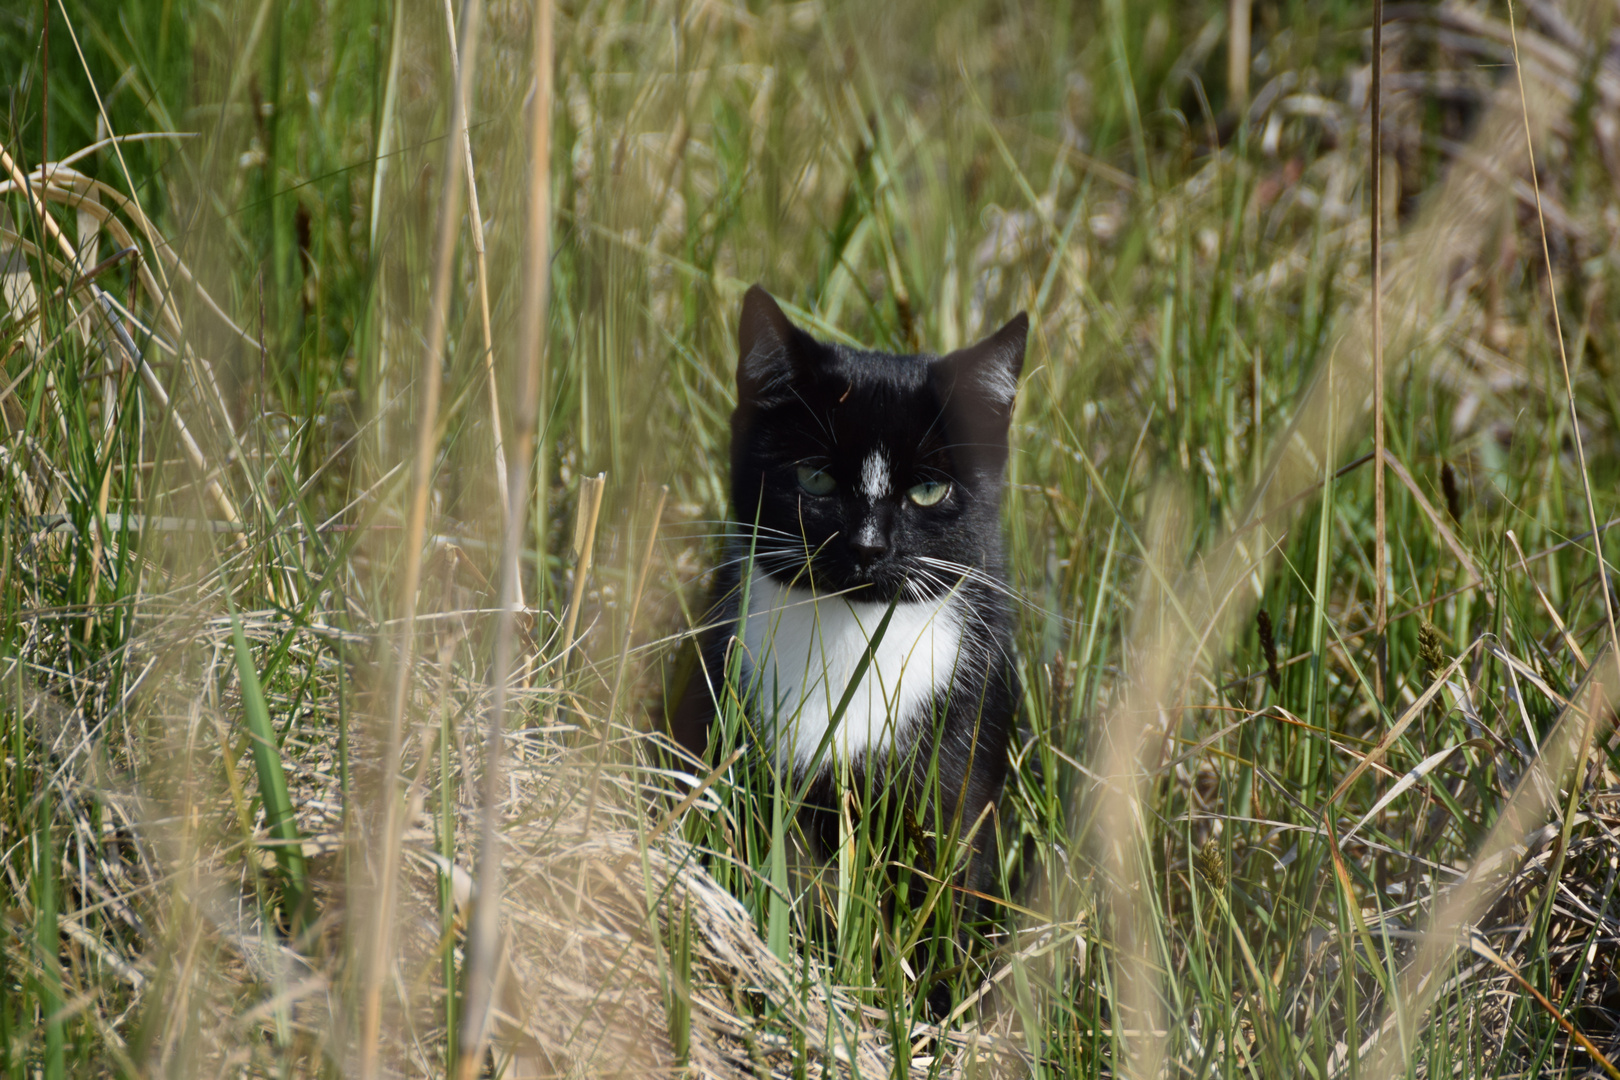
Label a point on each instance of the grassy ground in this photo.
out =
(245, 784)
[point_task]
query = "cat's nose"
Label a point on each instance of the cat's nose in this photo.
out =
(868, 545)
(868, 550)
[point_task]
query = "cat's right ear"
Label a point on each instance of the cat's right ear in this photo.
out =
(768, 345)
(987, 373)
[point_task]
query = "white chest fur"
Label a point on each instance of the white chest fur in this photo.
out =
(801, 651)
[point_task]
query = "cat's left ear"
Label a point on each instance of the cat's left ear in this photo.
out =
(770, 349)
(988, 371)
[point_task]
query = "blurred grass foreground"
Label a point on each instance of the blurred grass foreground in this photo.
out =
(364, 380)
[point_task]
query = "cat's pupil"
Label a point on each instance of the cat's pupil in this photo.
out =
(816, 481)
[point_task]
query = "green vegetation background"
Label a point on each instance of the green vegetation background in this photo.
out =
(1191, 253)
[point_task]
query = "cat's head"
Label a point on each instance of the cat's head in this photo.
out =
(870, 471)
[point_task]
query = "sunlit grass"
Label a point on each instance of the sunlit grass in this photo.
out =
(203, 555)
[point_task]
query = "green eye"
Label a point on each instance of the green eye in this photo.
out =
(929, 492)
(816, 481)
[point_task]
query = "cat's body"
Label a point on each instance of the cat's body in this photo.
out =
(867, 486)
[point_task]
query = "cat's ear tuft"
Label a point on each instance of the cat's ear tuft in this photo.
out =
(989, 369)
(766, 344)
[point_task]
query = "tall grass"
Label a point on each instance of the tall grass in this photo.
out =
(259, 648)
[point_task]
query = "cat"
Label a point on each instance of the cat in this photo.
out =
(866, 492)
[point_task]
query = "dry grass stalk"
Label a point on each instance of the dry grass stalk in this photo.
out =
(1376, 224)
(480, 971)
(475, 225)
(590, 506)
(385, 841)
(1238, 59)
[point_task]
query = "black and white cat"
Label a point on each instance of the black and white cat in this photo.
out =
(867, 485)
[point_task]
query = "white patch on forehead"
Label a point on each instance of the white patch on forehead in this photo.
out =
(801, 651)
(875, 476)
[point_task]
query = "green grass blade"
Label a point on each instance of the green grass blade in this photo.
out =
(272, 777)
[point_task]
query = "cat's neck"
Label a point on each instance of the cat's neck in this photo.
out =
(801, 650)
